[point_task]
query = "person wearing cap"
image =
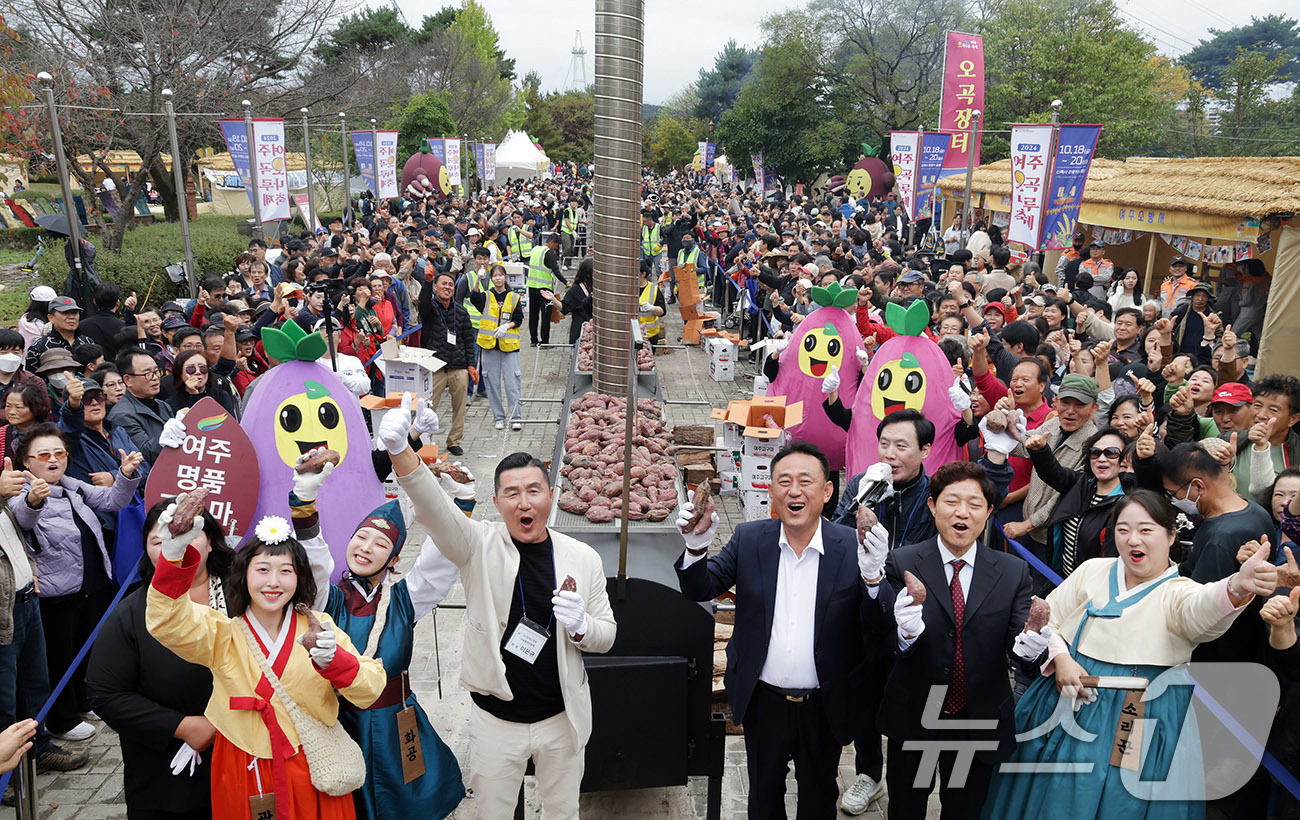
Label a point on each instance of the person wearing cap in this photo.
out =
(570, 219)
(95, 442)
(1067, 267)
(212, 295)
(910, 287)
(65, 318)
(58, 369)
(251, 360)
(1067, 434)
(376, 611)
(519, 237)
(1098, 267)
(35, 320)
(1176, 286)
(1196, 326)
(543, 273)
(393, 287)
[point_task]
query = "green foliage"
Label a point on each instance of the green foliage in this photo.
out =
(574, 114)
(425, 115)
(1106, 76)
(671, 144)
(367, 31)
(473, 23)
(1273, 36)
(718, 86)
(23, 238)
(147, 249)
(1254, 123)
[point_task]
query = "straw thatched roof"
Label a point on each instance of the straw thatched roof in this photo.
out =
(1219, 186)
(119, 161)
(223, 162)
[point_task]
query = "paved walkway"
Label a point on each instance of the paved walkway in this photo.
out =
(96, 791)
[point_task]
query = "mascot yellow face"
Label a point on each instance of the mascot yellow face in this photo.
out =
(900, 385)
(821, 350)
(859, 182)
(308, 420)
(444, 182)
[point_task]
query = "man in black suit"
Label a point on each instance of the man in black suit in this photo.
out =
(947, 700)
(796, 662)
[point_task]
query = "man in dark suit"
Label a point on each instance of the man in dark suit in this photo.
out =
(796, 663)
(947, 700)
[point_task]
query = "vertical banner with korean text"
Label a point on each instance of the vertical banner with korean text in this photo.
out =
(1075, 145)
(702, 148)
(308, 218)
(387, 163)
(453, 160)
(236, 134)
(962, 95)
(477, 149)
(903, 149)
(934, 147)
(438, 149)
(710, 151)
(757, 160)
(490, 162)
(363, 145)
(272, 175)
(1031, 153)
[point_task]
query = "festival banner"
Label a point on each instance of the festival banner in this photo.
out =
(363, 145)
(1075, 145)
(477, 150)
(236, 134)
(387, 163)
(702, 148)
(272, 175)
(304, 209)
(438, 149)
(934, 147)
(962, 95)
(490, 162)
(1031, 152)
(453, 160)
(904, 146)
(710, 151)
(757, 160)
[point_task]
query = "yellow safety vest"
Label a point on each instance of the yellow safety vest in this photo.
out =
(539, 276)
(569, 224)
(495, 314)
(694, 259)
(474, 286)
(520, 243)
(651, 325)
(650, 240)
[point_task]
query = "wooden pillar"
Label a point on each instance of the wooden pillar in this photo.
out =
(1151, 263)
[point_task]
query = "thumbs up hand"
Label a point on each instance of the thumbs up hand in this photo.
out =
(11, 480)
(1258, 576)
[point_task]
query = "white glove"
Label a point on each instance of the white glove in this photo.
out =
(426, 421)
(959, 397)
(323, 654)
(173, 547)
(832, 381)
(645, 307)
(307, 485)
(502, 331)
(872, 552)
(696, 542)
(775, 346)
(455, 489)
(907, 615)
(863, 358)
(356, 382)
(186, 757)
(1002, 442)
(394, 431)
(1029, 645)
(571, 611)
(173, 433)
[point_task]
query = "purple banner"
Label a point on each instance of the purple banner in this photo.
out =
(236, 134)
(710, 152)
(438, 148)
(363, 144)
(1075, 145)
(478, 158)
(934, 148)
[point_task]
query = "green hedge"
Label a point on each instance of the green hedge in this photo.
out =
(21, 238)
(147, 249)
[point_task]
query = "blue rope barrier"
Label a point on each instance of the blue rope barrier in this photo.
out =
(1274, 766)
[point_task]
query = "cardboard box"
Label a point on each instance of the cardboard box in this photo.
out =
(409, 369)
(761, 384)
(722, 371)
(755, 473)
(516, 274)
(742, 424)
(720, 349)
(755, 505)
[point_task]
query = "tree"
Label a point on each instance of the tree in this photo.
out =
(1272, 36)
(718, 86)
(1033, 55)
(1252, 118)
(538, 121)
(365, 37)
(425, 115)
(17, 136)
(672, 145)
(574, 113)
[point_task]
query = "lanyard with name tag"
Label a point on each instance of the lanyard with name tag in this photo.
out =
(529, 637)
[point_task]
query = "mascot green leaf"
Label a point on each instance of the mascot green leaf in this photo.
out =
(290, 343)
(909, 321)
(835, 296)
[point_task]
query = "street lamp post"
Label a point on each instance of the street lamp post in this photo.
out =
(252, 169)
(306, 158)
(970, 170)
(347, 174)
(182, 197)
(69, 207)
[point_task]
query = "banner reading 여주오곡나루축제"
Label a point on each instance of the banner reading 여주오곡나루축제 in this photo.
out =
(386, 164)
(903, 149)
(1075, 146)
(1031, 151)
(962, 94)
(453, 160)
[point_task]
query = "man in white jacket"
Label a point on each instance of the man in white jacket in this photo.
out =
(524, 632)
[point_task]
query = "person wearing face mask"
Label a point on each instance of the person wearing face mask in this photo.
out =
(58, 369)
(12, 373)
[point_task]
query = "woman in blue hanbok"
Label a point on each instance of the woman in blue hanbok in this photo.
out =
(1128, 617)
(379, 615)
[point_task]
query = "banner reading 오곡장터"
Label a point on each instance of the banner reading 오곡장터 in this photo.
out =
(962, 95)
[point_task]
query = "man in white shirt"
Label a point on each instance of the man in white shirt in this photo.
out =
(797, 662)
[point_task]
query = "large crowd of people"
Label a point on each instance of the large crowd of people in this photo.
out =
(1122, 461)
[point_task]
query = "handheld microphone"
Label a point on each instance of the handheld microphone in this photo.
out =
(877, 482)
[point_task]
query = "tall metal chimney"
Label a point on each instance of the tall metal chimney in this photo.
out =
(616, 221)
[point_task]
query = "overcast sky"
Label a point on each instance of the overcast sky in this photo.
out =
(683, 36)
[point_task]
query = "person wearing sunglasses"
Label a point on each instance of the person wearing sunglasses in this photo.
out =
(94, 442)
(72, 559)
(192, 382)
(1078, 529)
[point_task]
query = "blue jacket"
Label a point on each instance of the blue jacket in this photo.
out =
(92, 453)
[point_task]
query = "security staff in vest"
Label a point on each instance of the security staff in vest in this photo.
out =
(690, 255)
(519, 238)
(501, 316)
(543, 272)
(652, 246)
(651, 309)
(474, 280)
(569, 221)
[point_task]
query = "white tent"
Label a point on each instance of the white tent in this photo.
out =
(518, 158)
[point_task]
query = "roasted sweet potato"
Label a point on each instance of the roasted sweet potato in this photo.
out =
(446, 468)
(1039, 613)
(316, 461)
(702, 512)
(914, 587)
(866, 520)
(188, 507)
(314, 627)
(569, 585)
